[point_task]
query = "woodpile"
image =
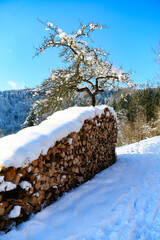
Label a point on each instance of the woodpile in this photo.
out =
(70, 162)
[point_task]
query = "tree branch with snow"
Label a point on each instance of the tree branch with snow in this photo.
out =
(87, 69)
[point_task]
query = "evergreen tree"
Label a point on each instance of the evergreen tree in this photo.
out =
(30, 120)
(1, 133)
(114, 104)
(148, 104)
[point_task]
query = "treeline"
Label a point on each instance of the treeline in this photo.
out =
(138, 112)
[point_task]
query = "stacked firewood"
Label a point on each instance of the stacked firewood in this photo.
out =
(70, 162)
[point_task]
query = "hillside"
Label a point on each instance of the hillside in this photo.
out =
(138, 111)
(122, 202)
(14, 108)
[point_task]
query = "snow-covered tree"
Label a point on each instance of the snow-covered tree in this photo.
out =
(157, 60)
(14, 108)
(87, 69)
(158, 53)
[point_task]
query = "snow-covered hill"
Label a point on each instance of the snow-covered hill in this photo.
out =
(122, 202)
(14, 108)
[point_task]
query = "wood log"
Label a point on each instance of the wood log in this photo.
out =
(10, 174)
(72, 161)
(1, 198)
(2, 211)
(17, 179)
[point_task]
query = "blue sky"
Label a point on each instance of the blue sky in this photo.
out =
(134, 29)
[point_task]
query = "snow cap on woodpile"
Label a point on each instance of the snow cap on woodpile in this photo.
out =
(20, 149)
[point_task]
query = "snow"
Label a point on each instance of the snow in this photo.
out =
(25, 185)
(15, 212)
(1, 178)
(36, 194)
(38, 177)
(121, 202)
(7, 186)
(14, 108)
(20, 149)
(50, 24)
(70, 141)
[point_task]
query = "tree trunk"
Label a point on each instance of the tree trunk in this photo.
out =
(93, 100)
(91, 95)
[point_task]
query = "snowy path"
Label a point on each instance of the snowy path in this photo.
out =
(122, 202)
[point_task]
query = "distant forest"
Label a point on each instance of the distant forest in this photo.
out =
(138, 111)
(14, 108)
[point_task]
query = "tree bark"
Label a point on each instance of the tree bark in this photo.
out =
(91, 95)
(93, 100)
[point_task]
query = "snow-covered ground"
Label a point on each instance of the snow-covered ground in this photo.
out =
(122, 202)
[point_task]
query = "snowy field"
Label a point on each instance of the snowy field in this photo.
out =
(122, 202)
